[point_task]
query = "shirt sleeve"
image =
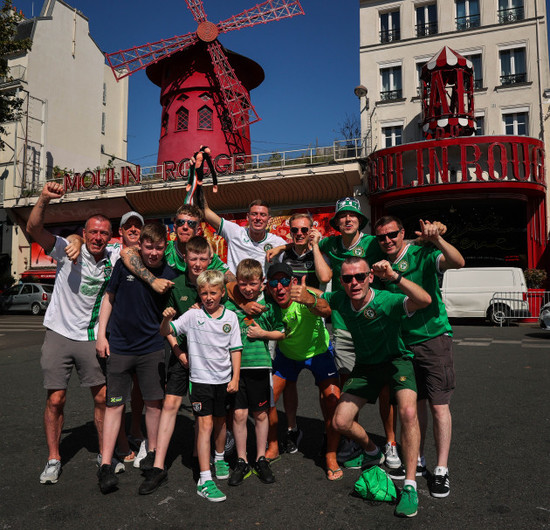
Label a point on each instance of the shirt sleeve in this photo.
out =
(180, 326)
(229, 230)
(217, 264)
(114, 282)
(58, 250)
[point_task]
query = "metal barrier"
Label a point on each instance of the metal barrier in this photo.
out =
(507, 306)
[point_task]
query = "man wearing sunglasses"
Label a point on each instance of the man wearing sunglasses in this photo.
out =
(427, 334)
(374, 319)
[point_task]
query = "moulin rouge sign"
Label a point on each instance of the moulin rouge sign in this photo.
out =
(457, 160)
(131, 175)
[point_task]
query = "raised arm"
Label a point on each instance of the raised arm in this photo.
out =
(418, 298)
(35, 224)
(311, 298)
(322, 267)
(272, 253)
(211, 217)
(133, 262)
(451, 258)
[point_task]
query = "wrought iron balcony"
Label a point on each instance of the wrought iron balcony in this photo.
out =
(513, 79)
(505, 16)
(389, 95)
(466, 23)
(429, 28)
(390, 35)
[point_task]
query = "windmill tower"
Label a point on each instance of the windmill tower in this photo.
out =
(205, 89)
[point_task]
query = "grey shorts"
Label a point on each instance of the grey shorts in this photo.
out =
(60, 354)
(344, 351)
(149, 369)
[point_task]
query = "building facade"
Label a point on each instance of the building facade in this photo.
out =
(495, 216)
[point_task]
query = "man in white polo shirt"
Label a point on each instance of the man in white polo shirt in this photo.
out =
(71, 320)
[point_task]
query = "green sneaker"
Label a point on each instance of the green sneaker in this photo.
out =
(222, 469)
(369, 461)
(355, 463)
(408, 504)
(210, 491)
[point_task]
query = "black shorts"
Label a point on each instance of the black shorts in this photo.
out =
(254, 391)
(149, 369)
(434, 369)
(177, 377)
(209, 400)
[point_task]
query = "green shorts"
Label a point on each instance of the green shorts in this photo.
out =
(367, 380)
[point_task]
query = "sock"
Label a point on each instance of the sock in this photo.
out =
(374, 452)
(218, 456)
(410, 483)
(205, 475)
(440, 470)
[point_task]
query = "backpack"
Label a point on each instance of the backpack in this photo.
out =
(375, 484)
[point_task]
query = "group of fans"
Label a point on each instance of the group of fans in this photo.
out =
(241, 333)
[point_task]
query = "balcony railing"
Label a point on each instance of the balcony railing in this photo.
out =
(16, 73)
(388, 95)
(513, 79)
(390, 35)
(466, 23)
(505, 16)
(478, 83)
(429, 28)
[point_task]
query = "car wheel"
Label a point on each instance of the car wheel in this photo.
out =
(35, 309)
(499, 314)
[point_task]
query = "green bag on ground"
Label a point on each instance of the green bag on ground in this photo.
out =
(375, 484)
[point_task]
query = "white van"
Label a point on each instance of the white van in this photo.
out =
(496, 293)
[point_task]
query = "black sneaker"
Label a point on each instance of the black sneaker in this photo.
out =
(263, 470)
(397, 473)
(241, 472)
(439, 484)
(148, 462)
(107, 479)
(155, 478)
(293, 439)
(421, 470)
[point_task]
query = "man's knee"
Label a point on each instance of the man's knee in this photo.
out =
(56, 399)
(342, 422)
(99, 394)
(240, 415)
(172, 404)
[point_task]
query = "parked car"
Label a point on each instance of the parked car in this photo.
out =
(33, 297)
(544, 317)
(495, 293)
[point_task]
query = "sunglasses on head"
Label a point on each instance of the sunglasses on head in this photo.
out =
(295, 229)
(285, 282)
(192, 224)
(360, 277)
(391, 235)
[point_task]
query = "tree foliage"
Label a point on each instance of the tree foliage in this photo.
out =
(10, 106)
(350, 128)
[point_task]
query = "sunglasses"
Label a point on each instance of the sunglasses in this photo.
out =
(360, 277)
(192, 224)
(285, 282)
(295, 229)
(391, 235)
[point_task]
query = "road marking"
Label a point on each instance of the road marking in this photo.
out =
(534, 345)
(468, 343)
(496, 341)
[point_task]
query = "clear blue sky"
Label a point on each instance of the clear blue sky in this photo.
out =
(311, 65)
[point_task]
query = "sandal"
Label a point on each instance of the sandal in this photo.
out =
(126, 458)
(335, 474)
(273, 460)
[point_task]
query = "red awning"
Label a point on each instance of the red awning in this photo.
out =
(42, 274)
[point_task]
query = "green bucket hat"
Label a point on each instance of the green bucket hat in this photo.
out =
(349, 205)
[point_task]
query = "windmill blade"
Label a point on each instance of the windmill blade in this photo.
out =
(197, 8)
(240, 109)
(261, 14)
(126, 62)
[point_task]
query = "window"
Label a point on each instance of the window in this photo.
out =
(392, 135)
(164, 124)
(426, 20)
(510, 11)
(390, 26)
(467, 14)
(182, 119)
(480, 125)
(205, 118)
(105, 93)
(516, 123)
(103, 118)
(475, 59)
(205, 96)
(512, 66)
(390, 83)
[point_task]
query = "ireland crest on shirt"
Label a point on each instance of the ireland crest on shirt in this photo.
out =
(369, 313)
(359, 252)
(226, 328)
(268, 246)
(403, 265)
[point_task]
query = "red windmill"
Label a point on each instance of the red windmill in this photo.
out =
(205, 89)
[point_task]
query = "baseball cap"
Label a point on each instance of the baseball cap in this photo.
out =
(349, 204)
(279, 267)
(129, 215)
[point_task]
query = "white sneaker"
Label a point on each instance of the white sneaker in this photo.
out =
(141, 454)
(51, 472)
(392, 458)
(116, 464)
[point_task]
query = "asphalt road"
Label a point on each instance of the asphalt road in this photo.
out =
(499, 465)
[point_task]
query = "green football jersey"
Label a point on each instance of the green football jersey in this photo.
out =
(332, 247)
(255, 352)
(419, 264)
(375, 328)
(182, 296)
(176, 261)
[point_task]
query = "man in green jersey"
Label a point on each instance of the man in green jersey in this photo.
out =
(374, 318)
(427, 334)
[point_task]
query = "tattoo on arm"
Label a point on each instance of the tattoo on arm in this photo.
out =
(138, 268)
